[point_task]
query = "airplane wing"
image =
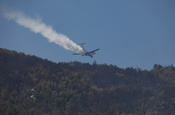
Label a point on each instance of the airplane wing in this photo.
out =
(93, 51)
(76, 54)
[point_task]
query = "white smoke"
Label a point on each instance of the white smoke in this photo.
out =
(38, 26)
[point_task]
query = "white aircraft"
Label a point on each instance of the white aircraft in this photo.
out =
(86, 53)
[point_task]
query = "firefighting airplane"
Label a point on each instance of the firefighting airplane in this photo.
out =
(86, 53)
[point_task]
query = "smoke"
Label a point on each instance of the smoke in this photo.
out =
(37, 26)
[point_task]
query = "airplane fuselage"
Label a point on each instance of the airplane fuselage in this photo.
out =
(88, 54)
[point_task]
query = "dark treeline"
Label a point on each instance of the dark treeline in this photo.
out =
(31, 85)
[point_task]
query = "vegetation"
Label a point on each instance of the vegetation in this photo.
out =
(30, 85)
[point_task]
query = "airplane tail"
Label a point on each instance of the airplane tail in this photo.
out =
(82, 45)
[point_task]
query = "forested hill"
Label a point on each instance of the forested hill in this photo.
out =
(31, 85)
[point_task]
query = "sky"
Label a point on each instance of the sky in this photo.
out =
(129, 33)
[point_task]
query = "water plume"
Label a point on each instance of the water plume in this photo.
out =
(37, 26)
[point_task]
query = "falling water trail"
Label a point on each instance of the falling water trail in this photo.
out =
(37, 26)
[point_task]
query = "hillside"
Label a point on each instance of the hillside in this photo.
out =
(31, 85)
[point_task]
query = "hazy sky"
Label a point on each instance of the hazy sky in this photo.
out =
(129, 33)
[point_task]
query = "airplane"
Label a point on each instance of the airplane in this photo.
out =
(86, 53)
